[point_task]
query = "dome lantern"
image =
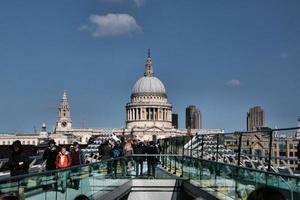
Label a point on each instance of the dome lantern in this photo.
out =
(149, 84)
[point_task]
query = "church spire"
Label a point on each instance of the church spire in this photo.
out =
(64, 121)
(149, 53)
(65, 96)
(148, 66)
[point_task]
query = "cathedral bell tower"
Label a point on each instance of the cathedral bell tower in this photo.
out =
(64, 122)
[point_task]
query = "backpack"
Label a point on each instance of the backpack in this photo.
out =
(115, 153)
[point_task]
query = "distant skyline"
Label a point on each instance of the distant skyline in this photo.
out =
(222, 56)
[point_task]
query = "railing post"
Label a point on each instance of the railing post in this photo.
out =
(191, 154)
(164, 151)
(217, 158)
(270, 148)
(175, 156)
(239, 157)
(202, 146)
(170, 152)
(182, 157)
(197, 159)
(239, 148)
(197, 137)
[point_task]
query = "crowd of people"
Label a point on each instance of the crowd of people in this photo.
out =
(130, 154)
(60, 158)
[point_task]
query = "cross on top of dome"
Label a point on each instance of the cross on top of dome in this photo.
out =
(148, 66)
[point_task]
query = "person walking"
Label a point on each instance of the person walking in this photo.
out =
(50, 155)
(117, 153)
(77, 158)
(63, 161)
(18, 162)
(77, 155)
(151, 149)
(139, 148)
(105, 153)
(128, 150)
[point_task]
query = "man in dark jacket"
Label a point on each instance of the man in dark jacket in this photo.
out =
(50, 155)
(77, 158)
(18, 162)
(151, 160)
(105, 153)
(139, 148)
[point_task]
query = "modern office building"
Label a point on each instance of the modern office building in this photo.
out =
(175, 120)
(255, 118)
(192, 118)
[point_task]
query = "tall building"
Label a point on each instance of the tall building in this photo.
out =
(298, 130)
(255, 118)
(192, 118)
(175, 120)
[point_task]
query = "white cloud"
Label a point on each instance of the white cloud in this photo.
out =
(112, 24)
(284, 55)
(233, 83)
(137, 3)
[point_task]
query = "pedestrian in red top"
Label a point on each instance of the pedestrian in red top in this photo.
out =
(63, 161)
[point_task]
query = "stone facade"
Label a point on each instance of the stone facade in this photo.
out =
(148, 114)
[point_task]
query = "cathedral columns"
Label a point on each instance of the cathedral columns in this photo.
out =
(147, 114)
(133, 114)
(129, 111)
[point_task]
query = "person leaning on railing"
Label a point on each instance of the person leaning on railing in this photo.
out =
(18, 162)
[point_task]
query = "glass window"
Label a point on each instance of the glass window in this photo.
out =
(291, 146)
(3, 142)
(291, 154)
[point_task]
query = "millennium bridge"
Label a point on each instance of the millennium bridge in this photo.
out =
(203, 166)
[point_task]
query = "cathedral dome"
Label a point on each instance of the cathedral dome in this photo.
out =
(149, 105)
(149, 84)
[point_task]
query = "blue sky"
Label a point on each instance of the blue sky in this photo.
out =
(223, 56)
